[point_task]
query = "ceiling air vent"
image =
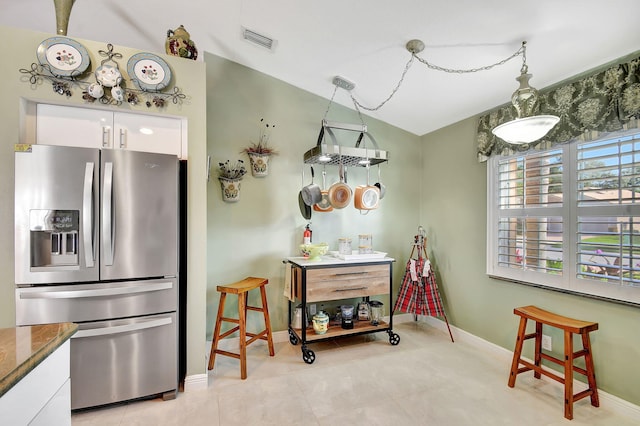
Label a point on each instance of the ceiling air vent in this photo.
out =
(259, 39)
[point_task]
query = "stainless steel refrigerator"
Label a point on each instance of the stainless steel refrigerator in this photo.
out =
(96, 243)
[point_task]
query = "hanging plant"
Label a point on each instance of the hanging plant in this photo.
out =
(234, 172)
(262, 147)
(260, 152)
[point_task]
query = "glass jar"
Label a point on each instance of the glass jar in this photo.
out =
(344, 246)
(377, 311)
(365, 245)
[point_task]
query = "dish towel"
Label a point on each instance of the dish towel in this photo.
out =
(288, 288)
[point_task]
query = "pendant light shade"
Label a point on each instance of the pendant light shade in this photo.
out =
(526, 128)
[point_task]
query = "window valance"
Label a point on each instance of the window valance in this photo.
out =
(604, 100)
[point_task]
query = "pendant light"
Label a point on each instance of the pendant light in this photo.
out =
(526, 128)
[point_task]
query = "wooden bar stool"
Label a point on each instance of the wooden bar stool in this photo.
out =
(570, 327)
(241, 288)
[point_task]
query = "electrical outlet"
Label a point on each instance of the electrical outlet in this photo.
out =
(312, 309)
(546, 342)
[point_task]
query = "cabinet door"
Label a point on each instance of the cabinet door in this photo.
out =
(72, 126)
(95, 128)
(148, 133)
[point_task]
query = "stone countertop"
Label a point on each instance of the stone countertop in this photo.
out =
(332, 260)
(23, 348)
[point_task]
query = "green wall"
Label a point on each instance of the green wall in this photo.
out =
(453, 209)
(253, 236)
(17, 92)
(433, 181)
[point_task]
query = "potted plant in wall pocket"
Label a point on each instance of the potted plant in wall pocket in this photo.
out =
(259, 153)
(230, 176)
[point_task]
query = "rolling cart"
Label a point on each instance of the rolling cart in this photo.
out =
(333, 279)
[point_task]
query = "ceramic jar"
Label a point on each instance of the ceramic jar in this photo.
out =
(320, 322)
(300, 318)
(179, 43)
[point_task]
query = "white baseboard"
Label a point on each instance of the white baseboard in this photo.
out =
(612, 402)
(195, 382)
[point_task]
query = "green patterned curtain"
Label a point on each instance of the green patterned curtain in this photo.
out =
(603, 101)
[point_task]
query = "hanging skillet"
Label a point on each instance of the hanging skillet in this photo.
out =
(381, 186)
(311, 194)
(339, 192)
(366, 196)
(324, 205)
(305, 210)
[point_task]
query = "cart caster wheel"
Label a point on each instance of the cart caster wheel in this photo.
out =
(394, 338)
(308, 356)
(293, 338)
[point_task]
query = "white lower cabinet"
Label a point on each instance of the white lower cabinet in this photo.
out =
(42, 397)
(58, 409)
(96, 128)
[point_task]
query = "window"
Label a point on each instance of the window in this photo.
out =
(568, 218)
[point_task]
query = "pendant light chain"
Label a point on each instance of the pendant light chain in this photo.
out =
(520, 51)
(470, 70)
(393, 92)
(525, 67)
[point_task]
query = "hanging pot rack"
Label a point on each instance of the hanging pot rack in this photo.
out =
(329, 151)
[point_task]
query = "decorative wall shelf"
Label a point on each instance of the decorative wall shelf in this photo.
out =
(64, 81)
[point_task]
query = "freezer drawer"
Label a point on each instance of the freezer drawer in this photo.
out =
(118, 360)
(93, 302)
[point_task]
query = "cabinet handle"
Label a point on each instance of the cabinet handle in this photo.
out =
(123, 133)
(350, 273)
(352, 288)
(105, 136)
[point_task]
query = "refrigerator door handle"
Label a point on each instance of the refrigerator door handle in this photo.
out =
(100, 292)
(107, 214)
(87, 215)
(122, 328)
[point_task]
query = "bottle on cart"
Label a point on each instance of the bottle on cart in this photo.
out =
(306, 236)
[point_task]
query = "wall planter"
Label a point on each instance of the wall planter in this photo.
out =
(230, 177)
(259, 164)
(230, 189)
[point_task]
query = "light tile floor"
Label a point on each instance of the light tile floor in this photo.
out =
(363, 380)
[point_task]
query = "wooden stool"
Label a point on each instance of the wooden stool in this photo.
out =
(241, 288)
(570, 326)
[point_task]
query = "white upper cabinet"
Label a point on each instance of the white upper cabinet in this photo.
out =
(95, 128)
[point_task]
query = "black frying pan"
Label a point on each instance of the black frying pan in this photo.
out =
(305, 209)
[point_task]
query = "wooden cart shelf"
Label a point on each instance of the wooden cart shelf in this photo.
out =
(333, 279)
(337, 331)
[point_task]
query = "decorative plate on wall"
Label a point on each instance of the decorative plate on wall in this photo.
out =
(149, 72)
(108, 75)
(64, 56)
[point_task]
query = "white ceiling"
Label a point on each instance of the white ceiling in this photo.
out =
(364, 41)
